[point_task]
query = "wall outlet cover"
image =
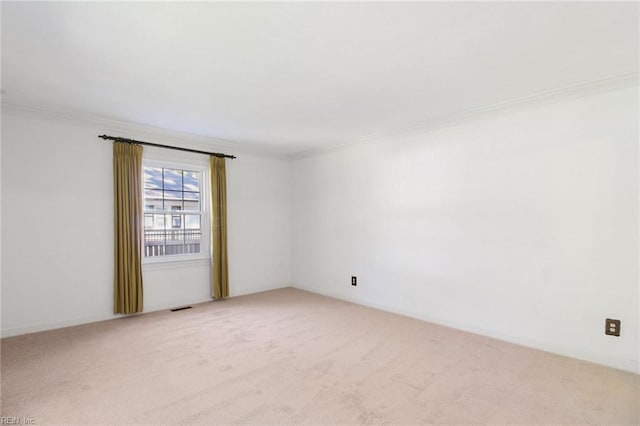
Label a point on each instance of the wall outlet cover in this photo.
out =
(612, 327)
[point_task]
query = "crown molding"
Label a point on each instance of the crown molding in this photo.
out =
(619, 81)
(190, 140)
(138, 131)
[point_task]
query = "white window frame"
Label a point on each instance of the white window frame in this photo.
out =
(205, 217)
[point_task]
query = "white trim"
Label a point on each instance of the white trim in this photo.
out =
(607, 360)
(175, 258)
(122, 128)
(174, 304)
(46, 326)
(588, 88)
(259, 289)
(181, 263)
(191, 140)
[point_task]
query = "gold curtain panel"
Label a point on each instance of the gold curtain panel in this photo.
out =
(127, 201)
(219, 272)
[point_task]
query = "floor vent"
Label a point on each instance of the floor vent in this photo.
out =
(181, 309)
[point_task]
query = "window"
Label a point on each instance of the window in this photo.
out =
(176, 219)
(174, 212)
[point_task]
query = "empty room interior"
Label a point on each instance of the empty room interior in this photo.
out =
(320, 213)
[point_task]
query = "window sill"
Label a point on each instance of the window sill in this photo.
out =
(157, 265)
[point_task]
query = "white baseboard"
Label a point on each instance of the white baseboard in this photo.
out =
(258, 290)
(625, 364)
(44, 326)
(37, 327)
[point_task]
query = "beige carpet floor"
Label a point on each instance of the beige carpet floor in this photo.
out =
(291, 357)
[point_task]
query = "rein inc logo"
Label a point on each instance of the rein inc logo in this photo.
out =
(15, 420)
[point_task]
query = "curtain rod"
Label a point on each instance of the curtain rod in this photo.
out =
(126, 140)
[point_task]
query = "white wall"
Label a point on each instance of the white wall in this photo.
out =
(57, 222)
(521, 226)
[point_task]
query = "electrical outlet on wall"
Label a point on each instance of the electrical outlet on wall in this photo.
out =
(612, 327)
(354, 281)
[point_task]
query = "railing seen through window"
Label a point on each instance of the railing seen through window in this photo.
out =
(173, 212)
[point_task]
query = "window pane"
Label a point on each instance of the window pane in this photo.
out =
(153, 177)
(172, 199)
(191, 181)
(152, 199)
(158, 221)
(154, 221)
(154, 235)
(171, 249)
(191, 201)
(192, 221)
(176, 219)
(189, 195)
(173, 179)
(193, 233)
(172, 195)
(175, 241)
(173, 222)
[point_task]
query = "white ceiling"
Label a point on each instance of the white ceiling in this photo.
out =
(299, 76)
